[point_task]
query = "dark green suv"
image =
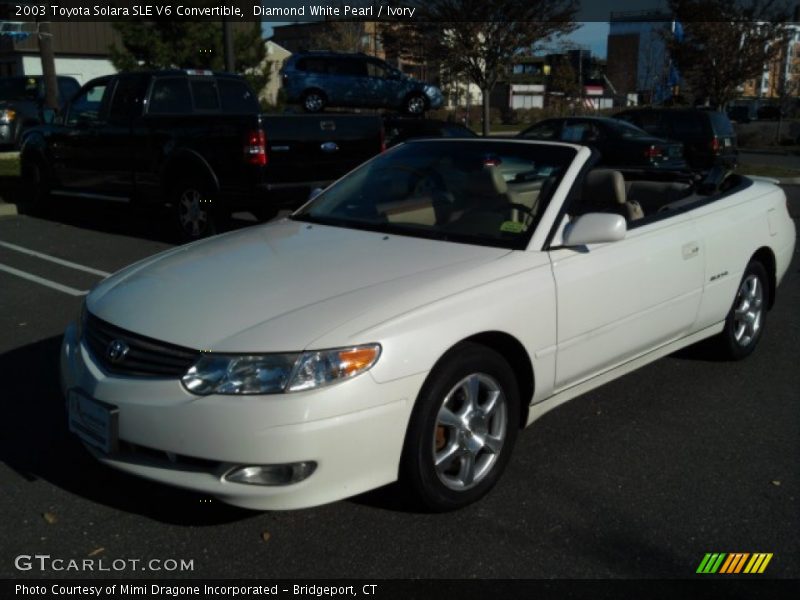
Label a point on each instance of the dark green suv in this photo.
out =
(708, 136)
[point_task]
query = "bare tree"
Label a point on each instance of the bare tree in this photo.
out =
(344, 36)
(482, 48)
(725, 43)
(349, 35)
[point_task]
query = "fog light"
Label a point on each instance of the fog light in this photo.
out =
(272, 474)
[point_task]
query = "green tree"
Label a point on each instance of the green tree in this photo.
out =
(724, 44)
(482, 49)
(190, 45)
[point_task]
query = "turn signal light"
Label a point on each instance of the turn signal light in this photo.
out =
(354, 360)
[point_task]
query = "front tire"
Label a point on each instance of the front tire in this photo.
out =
(462, 430)
(744, 324)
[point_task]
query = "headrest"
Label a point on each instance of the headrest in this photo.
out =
(604, 186)
(488, 181)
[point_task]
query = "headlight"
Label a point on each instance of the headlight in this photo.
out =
(7, 115)
(277, 373)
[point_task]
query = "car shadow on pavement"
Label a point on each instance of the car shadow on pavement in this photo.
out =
(36, 444)
(150, 223)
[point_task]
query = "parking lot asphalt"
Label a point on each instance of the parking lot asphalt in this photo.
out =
(637, 479)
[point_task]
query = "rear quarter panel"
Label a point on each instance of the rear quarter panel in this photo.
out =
(732, 229)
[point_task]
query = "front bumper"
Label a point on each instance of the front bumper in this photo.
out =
(354, 431)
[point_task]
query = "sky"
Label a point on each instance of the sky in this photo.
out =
(592, 34)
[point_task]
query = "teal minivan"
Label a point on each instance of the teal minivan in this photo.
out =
(320, 79)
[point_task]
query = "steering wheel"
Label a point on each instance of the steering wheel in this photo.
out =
(428, 183)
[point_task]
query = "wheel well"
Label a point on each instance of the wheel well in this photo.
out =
(181, 168)
(514, 352)
(766, 257)
(317, 90)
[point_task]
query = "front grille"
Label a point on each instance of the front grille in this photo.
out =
(143, 454)
(145, 357)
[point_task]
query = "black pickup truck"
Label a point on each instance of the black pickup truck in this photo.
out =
(194, 141)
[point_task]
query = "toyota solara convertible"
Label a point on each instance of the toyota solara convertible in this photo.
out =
(408, 321)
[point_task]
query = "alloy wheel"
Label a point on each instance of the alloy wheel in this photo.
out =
(748, 310)
(192, 215)
(470, 431)
(416, 105)
(314, 102)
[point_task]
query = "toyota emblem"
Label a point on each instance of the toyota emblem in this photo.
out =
(117, 350)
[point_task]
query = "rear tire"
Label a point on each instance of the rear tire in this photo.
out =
(197, 213)
(462, 430)
(313, 101)
(415, 105)
(744, 324)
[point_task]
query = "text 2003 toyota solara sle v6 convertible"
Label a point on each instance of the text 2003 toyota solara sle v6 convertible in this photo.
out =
(408, 321)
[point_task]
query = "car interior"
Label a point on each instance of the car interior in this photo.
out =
(641, 196)
(461, 201)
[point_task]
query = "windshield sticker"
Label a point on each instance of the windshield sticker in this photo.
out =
(512, 227)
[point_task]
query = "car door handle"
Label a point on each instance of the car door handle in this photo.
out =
(690, 250)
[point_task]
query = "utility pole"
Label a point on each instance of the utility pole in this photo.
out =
(45, 38)
(227, 44)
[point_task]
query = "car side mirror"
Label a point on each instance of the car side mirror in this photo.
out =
(314, 193)
(595, 228)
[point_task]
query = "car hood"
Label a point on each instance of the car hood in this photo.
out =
(276, 287)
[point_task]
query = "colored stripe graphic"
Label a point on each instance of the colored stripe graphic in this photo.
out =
(734, 562)
(711, 562)
(758, 563)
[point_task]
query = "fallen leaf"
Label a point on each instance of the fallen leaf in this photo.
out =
(775, 482)
(266, 535)
(49, 517)
(97, 551)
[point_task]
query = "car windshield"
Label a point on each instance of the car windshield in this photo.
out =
(487, 193)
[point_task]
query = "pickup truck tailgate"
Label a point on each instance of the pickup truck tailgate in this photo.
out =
(320, 148)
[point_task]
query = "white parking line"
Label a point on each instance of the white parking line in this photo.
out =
(43, 281)
(53, 259)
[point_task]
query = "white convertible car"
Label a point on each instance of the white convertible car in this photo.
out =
(411, 319)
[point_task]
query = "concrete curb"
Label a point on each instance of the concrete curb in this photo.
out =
(8, 210)
(766, 152)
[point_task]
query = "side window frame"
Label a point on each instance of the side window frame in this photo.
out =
(149, 96)
(102, 109)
